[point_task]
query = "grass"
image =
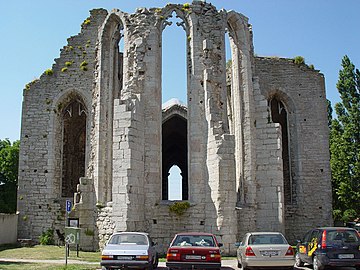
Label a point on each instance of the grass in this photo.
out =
(45, 253)
(44, 266)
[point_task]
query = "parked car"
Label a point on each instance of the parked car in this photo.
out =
(264, 249)
(129, 250)
(194, 251)
(329, 246)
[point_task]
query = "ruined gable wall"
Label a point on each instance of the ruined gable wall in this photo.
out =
(39, 200)
(303, 93)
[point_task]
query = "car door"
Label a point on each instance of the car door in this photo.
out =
(313, 244)
(303, 247)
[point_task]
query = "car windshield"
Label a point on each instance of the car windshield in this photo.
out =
(194, 240)
(349, 236)
(135, 239)
(266, 239)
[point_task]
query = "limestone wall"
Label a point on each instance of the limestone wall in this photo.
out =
(303, 92)
(40, 203)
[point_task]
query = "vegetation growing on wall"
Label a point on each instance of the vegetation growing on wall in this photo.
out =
(179, 208)
(299, 60)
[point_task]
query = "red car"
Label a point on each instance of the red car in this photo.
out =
(194, 251)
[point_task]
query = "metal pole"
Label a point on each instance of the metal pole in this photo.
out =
(66, 244)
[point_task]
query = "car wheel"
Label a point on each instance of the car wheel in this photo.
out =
(298, 261)
(317, 264)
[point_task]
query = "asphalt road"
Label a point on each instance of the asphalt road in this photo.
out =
(226, 264)
(232, 265)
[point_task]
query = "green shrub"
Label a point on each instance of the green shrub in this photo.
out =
(68, 63)
(64, 69)
(179, 208)
(299, 60)
(186, 6)
(83, 65)
(49, 72)
(86, 22)
(47, 238)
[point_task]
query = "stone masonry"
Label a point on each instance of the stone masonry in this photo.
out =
(252, 142)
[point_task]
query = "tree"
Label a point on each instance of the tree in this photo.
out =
(345, 145)
(9, 162)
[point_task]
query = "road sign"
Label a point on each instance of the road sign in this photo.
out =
(72, 235)
(68, 206)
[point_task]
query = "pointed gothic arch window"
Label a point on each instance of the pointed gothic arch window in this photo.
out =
(279, 115)
(175, 180)
(174, 152)
(73, 148)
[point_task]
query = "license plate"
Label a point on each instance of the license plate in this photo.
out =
(346, 256)
(193, 257)
(125, 258)
(269, 253)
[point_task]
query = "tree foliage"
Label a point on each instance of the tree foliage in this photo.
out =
(9, 162)
(345, 145)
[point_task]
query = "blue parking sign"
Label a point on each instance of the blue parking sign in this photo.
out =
(68, 206)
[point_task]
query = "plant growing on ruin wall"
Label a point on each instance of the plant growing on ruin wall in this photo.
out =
(86, 22)
(299, 60)
(83, 65)
(49, 72)
(89, 232)
(179, 208)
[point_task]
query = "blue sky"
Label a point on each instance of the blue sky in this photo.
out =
(33, 32)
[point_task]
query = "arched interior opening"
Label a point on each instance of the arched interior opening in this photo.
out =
(229, 84)
(175, 183)
(119, 63)
(174, 152)
(279, 115)
(74, 142)
(235, 97)
(174, 75)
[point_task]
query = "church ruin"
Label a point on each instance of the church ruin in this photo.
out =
(251, 144)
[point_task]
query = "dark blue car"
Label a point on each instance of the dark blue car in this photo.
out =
(329, 246)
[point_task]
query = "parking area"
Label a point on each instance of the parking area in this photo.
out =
(232, 265)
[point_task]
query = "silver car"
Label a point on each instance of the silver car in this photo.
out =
(129, 250)
(265, 249)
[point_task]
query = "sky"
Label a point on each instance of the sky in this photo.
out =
(33, 32)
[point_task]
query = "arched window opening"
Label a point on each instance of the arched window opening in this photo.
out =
(74, 141)
(280, 115)
(174, 152)
(229, 66)
(175, 183)
(119, 63)
(174, 74)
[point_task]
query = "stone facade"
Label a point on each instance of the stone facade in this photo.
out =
(254, 140)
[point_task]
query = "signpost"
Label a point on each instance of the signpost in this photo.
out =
(68, 210)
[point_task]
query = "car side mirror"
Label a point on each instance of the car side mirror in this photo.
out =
(220, 244)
